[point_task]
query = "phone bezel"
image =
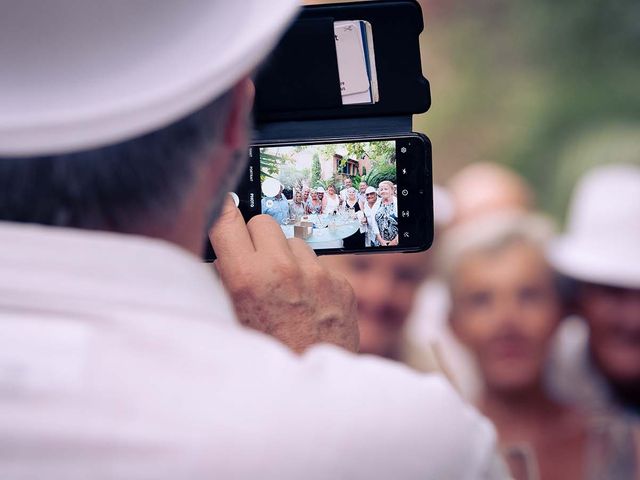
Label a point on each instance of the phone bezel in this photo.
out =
(417, 180)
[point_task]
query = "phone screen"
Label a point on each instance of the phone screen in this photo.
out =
(360, 196)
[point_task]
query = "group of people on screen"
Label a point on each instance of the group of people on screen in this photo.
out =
(375, 207)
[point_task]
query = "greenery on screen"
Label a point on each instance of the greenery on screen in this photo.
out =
(281, 166)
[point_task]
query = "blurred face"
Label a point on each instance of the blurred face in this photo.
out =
(363, 186)
(305, 193)
(505, 309)
(613, 315)
(298, 197)
(351, 195)
(348, 183)
(385, 287)
(320, 195)
(314, 196)
(331, 190)
(371, 198)
(385, 191)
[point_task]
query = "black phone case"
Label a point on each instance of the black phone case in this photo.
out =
(300, 80)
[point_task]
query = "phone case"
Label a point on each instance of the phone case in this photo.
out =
(300, 81)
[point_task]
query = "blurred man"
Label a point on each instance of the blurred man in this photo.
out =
(121, 355)
(385, 287)
(482, 188)
(600, 252)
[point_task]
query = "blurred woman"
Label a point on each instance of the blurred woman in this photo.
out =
(505, 309)
(331, 200)
(387, 216)
(297, 207)
(314, 204)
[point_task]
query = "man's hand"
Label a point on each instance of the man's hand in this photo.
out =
(278, 286)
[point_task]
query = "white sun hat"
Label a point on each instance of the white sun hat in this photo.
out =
(79, 74)
(602, 241)
(271, 187)
(370, 190)
(320, 190)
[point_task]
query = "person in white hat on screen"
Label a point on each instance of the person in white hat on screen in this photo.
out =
(599, 366)
(371, 204)
(274, 202)
(122, 127)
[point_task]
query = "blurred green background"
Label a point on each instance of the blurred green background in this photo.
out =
(547, 87)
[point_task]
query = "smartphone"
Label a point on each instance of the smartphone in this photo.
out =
(362, 195)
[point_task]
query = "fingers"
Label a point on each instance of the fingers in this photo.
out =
(233, 240)
(302, 252)
(229, 236)
(267, 236)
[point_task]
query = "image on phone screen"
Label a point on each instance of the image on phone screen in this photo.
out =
(345, 197)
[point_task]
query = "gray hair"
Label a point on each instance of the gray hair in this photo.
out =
(117, 187)
(492, 233)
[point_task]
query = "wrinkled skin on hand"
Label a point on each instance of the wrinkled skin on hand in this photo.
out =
(278, 286)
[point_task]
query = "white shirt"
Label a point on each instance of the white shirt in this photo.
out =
(120, 358)
(372, 224)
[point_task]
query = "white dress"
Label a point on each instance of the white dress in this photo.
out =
(120, 358)
(331, 204)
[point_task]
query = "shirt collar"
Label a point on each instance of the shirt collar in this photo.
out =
(80, 270)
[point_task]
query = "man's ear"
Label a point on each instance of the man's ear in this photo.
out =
(236, 133)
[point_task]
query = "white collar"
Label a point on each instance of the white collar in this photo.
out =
(82, 271)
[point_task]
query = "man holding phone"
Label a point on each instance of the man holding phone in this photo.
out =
(120, 353)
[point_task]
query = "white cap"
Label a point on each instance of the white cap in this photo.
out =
(271, 187)
(320, 190)
(602, 241)
(369, 190)
(78, 74)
